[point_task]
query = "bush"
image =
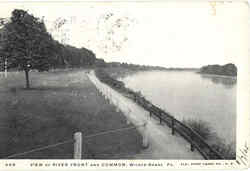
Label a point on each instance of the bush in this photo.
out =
(204, 130)
(226, 150)
(201, 127)
(104, 77)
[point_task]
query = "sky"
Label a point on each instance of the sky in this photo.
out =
(169, 34)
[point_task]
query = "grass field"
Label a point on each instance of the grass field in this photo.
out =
(59, 104)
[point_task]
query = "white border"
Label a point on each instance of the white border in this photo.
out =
(243, 117)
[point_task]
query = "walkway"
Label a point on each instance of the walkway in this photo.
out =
(162, 145)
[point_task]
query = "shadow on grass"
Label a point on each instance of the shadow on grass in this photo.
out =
(43, 88)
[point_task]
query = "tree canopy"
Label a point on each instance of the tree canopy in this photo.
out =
(27, 45)
(228, 69)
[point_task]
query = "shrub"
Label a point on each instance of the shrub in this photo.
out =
(204, 130)
(201, 127)
(226, 150)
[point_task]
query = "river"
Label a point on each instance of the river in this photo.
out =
(189, 95)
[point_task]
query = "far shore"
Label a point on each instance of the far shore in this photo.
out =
(216, 75)
(120, 72)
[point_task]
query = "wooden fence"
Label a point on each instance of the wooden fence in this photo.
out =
(79, 141)
(76, 140)
(195, 140)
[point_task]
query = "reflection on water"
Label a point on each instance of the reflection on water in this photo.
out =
(227, 82)
(189, 95)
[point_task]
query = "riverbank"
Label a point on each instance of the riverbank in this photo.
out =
(121, 72)
(140, 100)
(216, 75)
(162, 144)
(224, 70)
(59, 104)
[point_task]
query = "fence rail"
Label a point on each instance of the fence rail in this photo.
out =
(78, 140)
(74, 140)
(195, 140)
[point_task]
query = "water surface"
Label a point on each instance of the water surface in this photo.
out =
(189, 95)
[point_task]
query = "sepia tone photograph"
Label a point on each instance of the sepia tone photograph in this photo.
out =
(120, 80)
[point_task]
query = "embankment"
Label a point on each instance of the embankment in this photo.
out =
(162, 144)
(195, 140)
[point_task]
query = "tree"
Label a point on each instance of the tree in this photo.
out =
(227, 69)
(27, 44)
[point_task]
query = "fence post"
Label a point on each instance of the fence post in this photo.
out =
(172, 126)
(128, 117)
(160, 117)
(110, 101)
(78, 145)
(145, 142)
(117, 106)
(192, 146)
(150, 114)
(5, 68)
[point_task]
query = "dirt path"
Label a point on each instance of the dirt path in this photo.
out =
(162, 145)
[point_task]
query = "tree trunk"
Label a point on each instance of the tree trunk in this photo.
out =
(27, 79)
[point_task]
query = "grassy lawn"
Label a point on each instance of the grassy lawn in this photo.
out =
(59, 104)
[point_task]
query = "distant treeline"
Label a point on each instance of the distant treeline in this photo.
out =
(69, 56)
(134, 66)
(227, 70)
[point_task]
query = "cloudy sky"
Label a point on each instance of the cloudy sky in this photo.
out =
(170, 34)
